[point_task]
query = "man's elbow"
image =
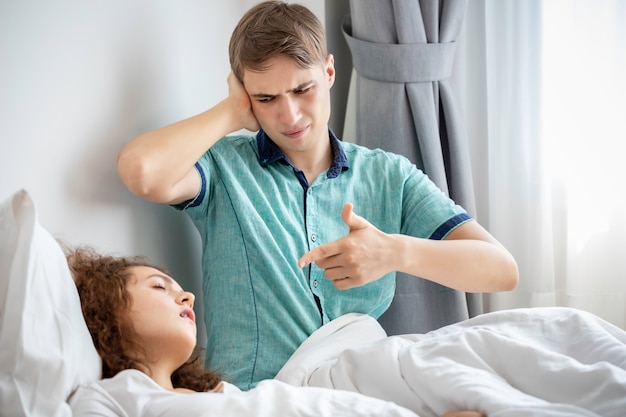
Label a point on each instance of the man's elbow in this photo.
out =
(511, 275)
(136, 176)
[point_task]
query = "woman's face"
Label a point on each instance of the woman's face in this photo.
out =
(162, 315)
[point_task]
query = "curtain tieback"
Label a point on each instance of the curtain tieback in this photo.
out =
(400, 63)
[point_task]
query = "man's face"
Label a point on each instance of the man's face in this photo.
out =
(292, 104)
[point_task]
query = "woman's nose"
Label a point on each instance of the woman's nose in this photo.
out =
(185, 297)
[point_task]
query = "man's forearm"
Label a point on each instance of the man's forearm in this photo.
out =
(465, 264)
(154, 163)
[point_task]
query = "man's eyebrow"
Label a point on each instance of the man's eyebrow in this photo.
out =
(298, 87)
(262, 95)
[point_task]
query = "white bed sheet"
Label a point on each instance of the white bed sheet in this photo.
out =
(540, 362)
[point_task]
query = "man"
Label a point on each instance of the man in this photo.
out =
(284, 250)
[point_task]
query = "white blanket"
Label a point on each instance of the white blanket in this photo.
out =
(539, 362)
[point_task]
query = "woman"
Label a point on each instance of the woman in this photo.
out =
(143, 326)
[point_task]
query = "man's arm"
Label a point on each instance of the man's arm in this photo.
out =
(159, 165)
(468, 259)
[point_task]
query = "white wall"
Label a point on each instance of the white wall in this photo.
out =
(78, 80)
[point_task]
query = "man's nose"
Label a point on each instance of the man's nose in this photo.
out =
(289, 111)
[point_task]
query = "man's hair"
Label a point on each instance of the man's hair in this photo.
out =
(101, 283)
(273, 28)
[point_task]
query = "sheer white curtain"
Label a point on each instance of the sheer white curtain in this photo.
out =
(543, 86)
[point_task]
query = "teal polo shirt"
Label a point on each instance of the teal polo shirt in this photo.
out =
(257, 216)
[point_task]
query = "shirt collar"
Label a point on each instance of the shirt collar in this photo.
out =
(270, 153)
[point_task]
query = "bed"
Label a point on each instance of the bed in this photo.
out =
(46, 351)
(509, 363)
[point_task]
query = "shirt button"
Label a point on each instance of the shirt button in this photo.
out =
(315, 284)
(313, 238)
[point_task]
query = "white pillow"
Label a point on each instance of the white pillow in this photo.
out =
(45, 347)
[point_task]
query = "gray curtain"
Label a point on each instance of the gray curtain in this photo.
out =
(403, 52)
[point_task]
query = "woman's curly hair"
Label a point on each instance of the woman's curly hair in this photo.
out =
(105, 302)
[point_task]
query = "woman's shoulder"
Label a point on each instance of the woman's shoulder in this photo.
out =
(118, 396)
(133, 393)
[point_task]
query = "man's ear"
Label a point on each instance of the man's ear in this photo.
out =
(329, 69)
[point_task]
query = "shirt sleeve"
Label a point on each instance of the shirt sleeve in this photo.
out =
(197, 200)
(426, 210)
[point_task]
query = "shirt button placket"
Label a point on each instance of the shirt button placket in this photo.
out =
(313, 231)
